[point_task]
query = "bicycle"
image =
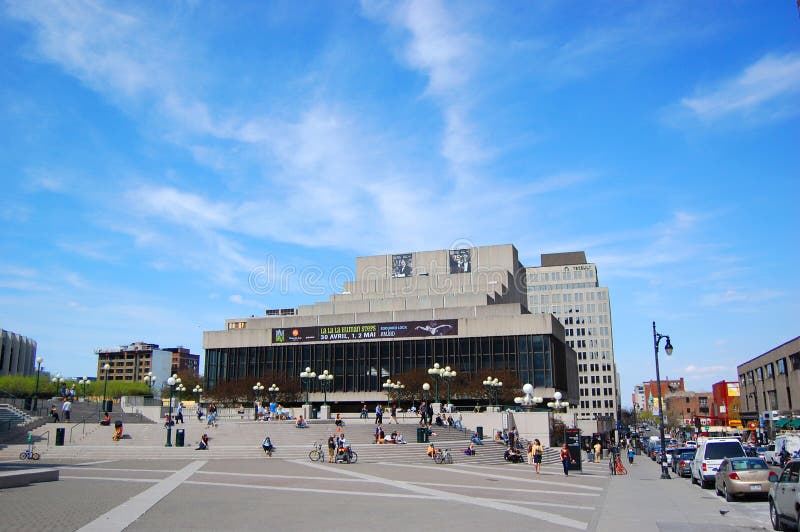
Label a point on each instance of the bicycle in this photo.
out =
(316, 453)
(29, 454)
(346, 455)
(615, 465)
(443, 456)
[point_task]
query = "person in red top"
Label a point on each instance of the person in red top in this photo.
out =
(565, 459)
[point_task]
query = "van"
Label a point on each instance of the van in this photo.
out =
(709, 456)
(790, 441)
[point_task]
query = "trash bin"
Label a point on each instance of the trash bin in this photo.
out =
(479, 431)
(420, 435)
(314, 413)
(29, 403)
(108, 406)
(179, 437)
(60, 433)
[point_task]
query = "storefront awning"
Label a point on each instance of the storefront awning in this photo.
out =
(781, 423)
(795, 424)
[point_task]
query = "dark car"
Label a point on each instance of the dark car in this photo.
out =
(684, 463)
(674, 453)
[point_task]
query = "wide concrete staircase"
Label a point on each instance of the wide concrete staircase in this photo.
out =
(242, 439)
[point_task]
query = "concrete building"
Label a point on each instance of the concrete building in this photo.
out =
(464, 308)
(17, 354)
(132, 362)
(770, 384)
(567, 286)
(638, 397)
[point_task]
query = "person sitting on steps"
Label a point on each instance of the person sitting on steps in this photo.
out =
(203, 443)
(301, 423)
(106, 421)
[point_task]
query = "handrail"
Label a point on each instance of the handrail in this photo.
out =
(48, 436)
(81, 422)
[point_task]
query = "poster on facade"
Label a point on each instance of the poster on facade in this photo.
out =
(365, 331)
(402, 265)
(460, 260)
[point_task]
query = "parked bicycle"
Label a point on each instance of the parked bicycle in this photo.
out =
(615, 465)
(443, 456)
(316, 453)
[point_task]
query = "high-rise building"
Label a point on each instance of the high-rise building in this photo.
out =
(567, 286)
(134, 361)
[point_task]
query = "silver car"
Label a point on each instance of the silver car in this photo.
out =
(784, 498)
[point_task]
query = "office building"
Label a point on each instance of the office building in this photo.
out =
(770, 384)
(567, 286)
(132, 362)
(403, 313)
(17, 354)
(184, 363)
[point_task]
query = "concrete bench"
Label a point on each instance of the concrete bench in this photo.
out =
(23, 477)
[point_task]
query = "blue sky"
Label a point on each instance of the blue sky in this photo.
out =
(165, 166)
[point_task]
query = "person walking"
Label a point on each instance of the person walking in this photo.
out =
(54, 413)
(66, 408)
(538, 452)
(378, 415)
(179, 415)
(598, 450)
(393, 414)
(565, 459)
(364, 413)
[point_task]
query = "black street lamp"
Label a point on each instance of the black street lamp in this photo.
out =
(172, 382)
(273, 392)
(197, 390)
(258, 389)
(39, 361)
(326, 380)
(448, 375)
(84, 381)
(436, 372)
(493, 388)
(668, 348)
(150, 380)
(106, 367)
(308, 376)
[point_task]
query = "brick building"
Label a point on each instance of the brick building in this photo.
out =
(726, 406)
(681, 408)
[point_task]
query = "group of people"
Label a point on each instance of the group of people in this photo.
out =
(66, 409)
(394, 437)
(337, 447)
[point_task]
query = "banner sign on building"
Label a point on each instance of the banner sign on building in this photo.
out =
(402, 265)
(460, 260)
(365, 331)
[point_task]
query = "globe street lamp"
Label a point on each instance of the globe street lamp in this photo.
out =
(39, 361)
(171, 382)
(197, 390)
(106, 367)
(436, 373)
(668, 348)
(528, 400)
(493, 389)
(258, 389)
(307, 375)
(273, 391)
(326, 381)
(448, 374)
(84, 381)
(558, 404)
(387, 386)
(150, 380)
(426, 391)
(55, 380)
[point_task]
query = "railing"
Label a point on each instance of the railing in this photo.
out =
(41, 437)
(83, 424)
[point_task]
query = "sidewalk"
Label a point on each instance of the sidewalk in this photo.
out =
(641, 501)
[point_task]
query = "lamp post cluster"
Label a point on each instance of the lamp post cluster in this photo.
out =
(150, 380)
(197, 390)
(493, 389)
(668, 348)
(58, 380)
(390, 386)
(326, 381)
(84, 381)
(307, 375)
(106, 367)
(558, 404)
(438, 372)
(258, 390)
(528, 400)
(174, 383)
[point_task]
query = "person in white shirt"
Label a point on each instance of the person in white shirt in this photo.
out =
(66, 407)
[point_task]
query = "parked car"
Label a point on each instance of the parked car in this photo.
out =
(690, 443)
(655, 452)
(784, 498)
(710, 455)
(673, 454)
(743, 477)
(684, 461)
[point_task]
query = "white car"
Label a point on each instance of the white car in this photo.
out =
(710, 455)
(784, 498)
(790, 442)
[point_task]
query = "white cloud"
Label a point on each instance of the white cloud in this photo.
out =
(696, 371)
(767, 88)
(733, 296)
(239, 300)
